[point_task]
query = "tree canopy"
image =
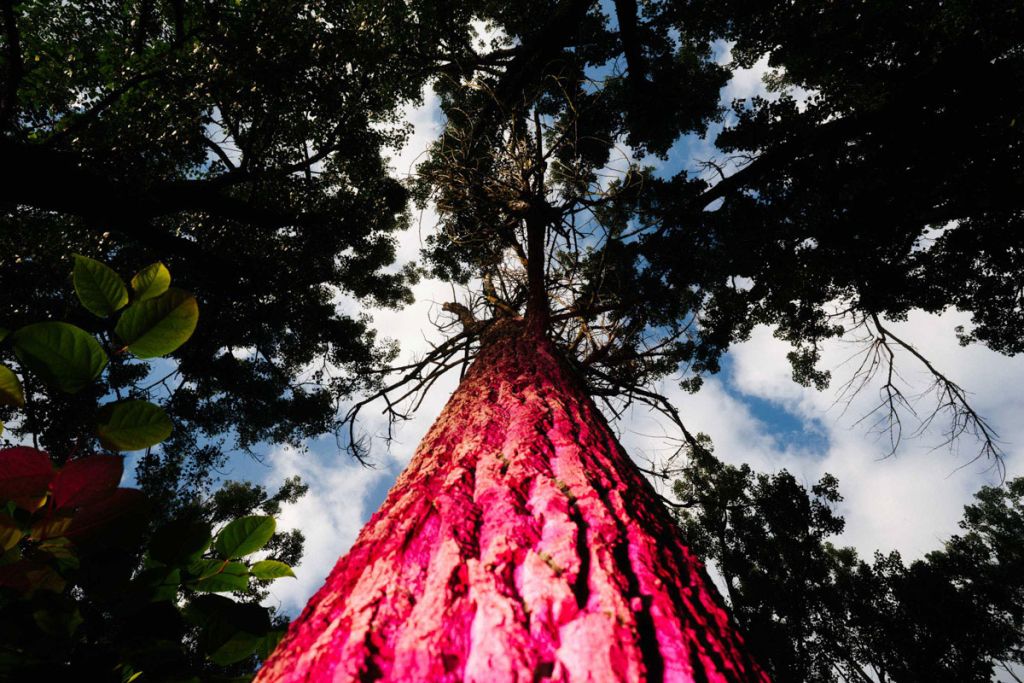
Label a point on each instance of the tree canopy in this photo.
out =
(244, 144)
(813, 611)
(880, 176)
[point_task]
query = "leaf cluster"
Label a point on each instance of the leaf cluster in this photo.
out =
(813, 611)
(64, 356)
(76, 603)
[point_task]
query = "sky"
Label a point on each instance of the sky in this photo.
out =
(909, 500)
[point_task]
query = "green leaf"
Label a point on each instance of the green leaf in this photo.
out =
(155, 327)
(238, 647)
(11, 393)
(151, 282)
(62, 354)
(3, 333)
(62, 551)
(204, 610)
(163, 582)
(217, 576)
(180, 542)
(268, 643)
(59, 621)
(99, 288)
(243, 536)
(270, 569)
(132, 425)
(230, 631)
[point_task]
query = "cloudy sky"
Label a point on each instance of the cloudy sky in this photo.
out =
(908, 501)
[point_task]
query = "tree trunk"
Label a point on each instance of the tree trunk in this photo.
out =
(520, 544)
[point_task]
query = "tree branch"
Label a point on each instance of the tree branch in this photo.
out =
(625, 12)
(92, 195)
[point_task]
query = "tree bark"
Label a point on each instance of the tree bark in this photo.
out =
(520, 544)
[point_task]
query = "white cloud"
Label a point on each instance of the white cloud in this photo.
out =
(910, 500)
(330, 516)
(746, 83)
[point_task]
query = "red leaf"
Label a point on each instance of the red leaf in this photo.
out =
(120, 513)
(25, 473)
(18, 575)
(87, 480)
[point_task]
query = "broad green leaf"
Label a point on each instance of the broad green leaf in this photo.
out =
(11, 393)
(50, 527)
(217, 576)
(204, 568)
(180, 542)
(57, 621)
(156, 327)
(243, 536)
(238, 647)
(163, 582)
(61, 354)
(3, 333)
(61, 550)
(204, 610)
(99, 288)
(270, 569)
(10, 533)
(230, 630)
(151, 282)
(132, 425)
(44, 577)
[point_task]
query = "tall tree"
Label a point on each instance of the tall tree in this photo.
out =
(245, 139)
(524, 542)
(631, 278)
(520, 544)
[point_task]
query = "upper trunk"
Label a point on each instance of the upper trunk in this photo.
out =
(520, 544)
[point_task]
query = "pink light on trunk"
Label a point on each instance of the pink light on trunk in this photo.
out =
(521, 544)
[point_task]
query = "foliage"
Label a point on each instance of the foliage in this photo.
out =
(243, 144)
(83, 590)
(812, 611)
(72, 604)
(154, 322)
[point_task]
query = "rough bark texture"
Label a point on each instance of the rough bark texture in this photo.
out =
(521, 544)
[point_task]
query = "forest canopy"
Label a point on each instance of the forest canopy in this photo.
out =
(246, 144)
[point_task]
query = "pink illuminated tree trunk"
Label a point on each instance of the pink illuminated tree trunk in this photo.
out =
(520, 544)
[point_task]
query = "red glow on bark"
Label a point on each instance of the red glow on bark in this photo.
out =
(520, 544)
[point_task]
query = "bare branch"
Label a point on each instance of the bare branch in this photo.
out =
(950, 399)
